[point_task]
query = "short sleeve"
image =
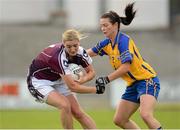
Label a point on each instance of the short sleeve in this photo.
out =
(98, 48)
(65, 67)
(59, 63)
(86, 57)
(83, 58)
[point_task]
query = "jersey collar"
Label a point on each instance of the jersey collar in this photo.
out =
(116, 40)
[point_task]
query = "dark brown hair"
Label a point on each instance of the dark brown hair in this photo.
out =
(114, 17)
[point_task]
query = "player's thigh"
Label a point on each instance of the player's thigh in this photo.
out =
(62, 88)
(58, 97)
(125, 109)
(58, 100)
(148, 93)
(147, 103)
(40, 89)
(75, 106)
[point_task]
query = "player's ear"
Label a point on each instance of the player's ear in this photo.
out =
(115, 24)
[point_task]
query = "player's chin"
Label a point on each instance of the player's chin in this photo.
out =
(106, 35)
(73, 54)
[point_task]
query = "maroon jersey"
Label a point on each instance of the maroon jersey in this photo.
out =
(53, 61)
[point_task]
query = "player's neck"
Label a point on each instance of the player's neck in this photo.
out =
(113, 37)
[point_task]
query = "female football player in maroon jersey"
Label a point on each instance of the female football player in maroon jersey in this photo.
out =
(49, 79)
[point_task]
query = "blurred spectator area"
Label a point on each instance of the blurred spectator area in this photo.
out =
(85, 14)
(28, 26)
(175, 11)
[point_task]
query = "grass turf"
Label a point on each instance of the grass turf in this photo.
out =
(168, 115)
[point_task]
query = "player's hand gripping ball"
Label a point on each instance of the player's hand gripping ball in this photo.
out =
(76, 71)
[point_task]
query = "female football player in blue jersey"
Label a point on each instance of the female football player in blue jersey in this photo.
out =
(142, 82)
(49, 79)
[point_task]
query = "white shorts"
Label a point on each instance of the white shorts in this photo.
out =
(44, 87)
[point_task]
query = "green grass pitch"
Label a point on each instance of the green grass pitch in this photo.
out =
(168, 115)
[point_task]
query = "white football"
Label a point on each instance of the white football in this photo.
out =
(76, 71)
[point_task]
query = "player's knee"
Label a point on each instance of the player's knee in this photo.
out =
(65, 107)
(146, 116)
(77, 114)
(119, 121)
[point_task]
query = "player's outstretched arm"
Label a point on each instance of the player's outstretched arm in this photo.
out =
(78, 88)
(91, 53)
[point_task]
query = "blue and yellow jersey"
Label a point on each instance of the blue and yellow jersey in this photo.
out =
(124, 50)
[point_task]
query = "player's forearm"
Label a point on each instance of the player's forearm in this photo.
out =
(83, 89)
(123, 69)
(91, 53)
(90, 75)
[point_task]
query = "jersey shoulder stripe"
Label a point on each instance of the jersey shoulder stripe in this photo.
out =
(123, 44)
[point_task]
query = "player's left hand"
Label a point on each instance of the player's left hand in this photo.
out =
(100, 88)
(102, 81)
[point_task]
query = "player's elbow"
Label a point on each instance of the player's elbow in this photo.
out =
(73, 89)
(73, 86)
(126, 67)
(93, 73)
